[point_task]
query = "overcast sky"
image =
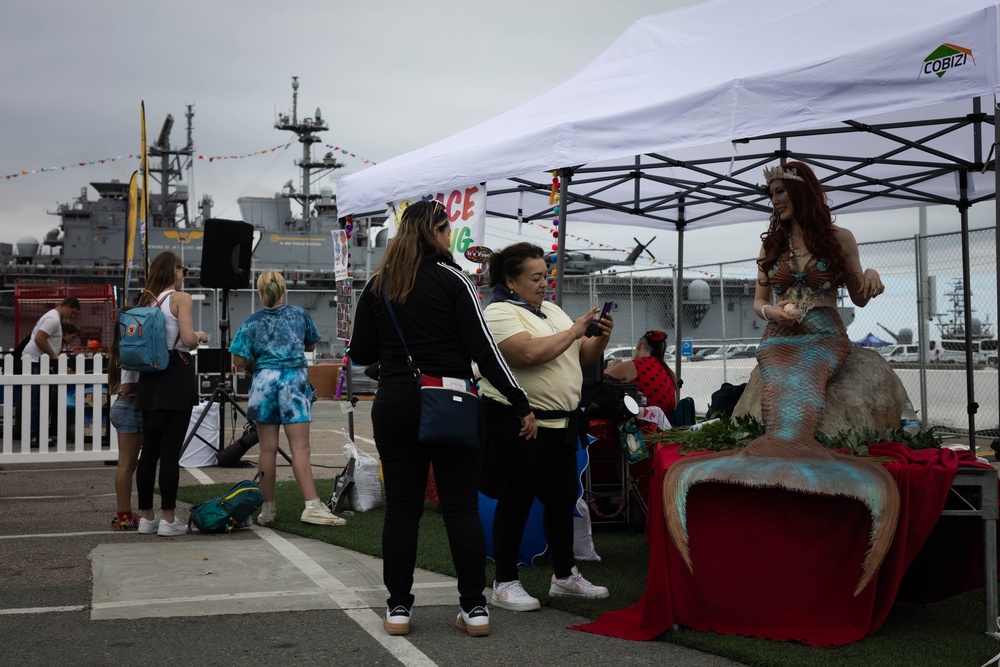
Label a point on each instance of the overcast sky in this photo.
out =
(389, 76)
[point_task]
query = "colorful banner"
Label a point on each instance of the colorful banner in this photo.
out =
(466, 209)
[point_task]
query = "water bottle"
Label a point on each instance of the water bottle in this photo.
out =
(908, 420)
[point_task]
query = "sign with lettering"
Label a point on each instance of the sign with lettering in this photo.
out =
(466, 210)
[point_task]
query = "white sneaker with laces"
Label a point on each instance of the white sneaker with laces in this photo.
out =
(149, 527)
(174, 529)
(319, 514)
(267, 514)
(476, 622)
(576, 587)
(511, 595)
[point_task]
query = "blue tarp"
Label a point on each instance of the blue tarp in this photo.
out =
(871, 340)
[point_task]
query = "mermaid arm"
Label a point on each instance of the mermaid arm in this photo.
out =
(862, 285)
(762, 299)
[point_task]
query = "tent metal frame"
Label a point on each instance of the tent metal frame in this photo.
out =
(711, 186)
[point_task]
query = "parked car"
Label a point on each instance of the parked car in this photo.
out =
(704, 353)
(735, 351)
(623, 353)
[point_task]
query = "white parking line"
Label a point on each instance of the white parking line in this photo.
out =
(41, 610)
(355, 608)
(201, 477)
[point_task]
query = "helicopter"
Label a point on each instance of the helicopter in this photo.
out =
(582, 263)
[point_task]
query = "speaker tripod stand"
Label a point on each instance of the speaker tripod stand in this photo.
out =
(223, 392)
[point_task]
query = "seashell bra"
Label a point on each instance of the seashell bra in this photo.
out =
(814, 282)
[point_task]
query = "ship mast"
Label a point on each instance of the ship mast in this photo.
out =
(172, 208)
(306, 130)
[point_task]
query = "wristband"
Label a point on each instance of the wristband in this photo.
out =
(763, 314)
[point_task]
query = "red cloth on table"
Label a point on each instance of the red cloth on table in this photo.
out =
(781, 565)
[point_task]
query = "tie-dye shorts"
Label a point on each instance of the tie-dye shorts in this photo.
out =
(280, 396)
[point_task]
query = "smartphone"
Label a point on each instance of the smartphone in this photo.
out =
(592, 329)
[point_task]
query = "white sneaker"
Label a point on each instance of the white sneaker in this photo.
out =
(267, 514)
(511, 595)
(319, 514)
(174, 529)
(476, 623)
(576, 587)
(397, 621)
(149, 527)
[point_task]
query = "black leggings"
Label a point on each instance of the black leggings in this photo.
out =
(405, 464)
(163, 434)
(546, 468)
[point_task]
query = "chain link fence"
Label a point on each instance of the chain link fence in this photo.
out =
(917, 323)
(917, 326)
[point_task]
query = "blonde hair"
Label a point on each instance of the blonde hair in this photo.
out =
(271, 287)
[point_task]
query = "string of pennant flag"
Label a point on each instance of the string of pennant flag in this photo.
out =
(207, 158)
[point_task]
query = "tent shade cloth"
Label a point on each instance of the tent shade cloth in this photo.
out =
(871, 340)
(672, 122)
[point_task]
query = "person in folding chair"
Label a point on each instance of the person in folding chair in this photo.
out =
(274, 341)
(648, 370)
(419, 316)
(547, 350)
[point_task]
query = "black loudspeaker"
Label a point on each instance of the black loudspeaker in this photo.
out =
(225, 254)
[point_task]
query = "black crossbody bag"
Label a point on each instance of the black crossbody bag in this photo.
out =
(449, 407)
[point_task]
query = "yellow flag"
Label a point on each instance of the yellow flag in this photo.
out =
(131, 219)
(144, 208)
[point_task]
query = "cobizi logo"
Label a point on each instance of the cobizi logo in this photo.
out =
(947, 57)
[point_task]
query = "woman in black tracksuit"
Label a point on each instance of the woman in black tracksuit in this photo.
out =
(438, 311)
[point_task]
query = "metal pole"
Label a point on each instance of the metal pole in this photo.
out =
(972, 407)
(564, 176)
(722, 311)
(923, 315)
(679, 295)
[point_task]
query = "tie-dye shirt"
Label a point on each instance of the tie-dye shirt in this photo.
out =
(276, 338)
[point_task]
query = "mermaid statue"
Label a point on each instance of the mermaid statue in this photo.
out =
(804, 259)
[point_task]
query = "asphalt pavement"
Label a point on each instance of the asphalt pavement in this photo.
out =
(73, 592)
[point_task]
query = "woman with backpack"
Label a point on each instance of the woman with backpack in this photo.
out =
(166, 397)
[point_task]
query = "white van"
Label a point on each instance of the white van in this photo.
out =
(953, 350)
(902, 354)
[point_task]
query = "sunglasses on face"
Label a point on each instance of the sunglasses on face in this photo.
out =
(183, 270)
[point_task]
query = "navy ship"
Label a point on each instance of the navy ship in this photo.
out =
(87, 245)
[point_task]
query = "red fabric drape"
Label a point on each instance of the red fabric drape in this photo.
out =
(781, 565)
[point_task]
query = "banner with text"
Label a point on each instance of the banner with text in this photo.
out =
(466, 209)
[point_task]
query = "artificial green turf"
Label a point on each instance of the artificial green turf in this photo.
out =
(945, 633)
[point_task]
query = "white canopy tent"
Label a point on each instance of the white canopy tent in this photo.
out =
(892, 103)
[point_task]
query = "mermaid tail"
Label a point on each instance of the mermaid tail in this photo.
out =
(797, 362)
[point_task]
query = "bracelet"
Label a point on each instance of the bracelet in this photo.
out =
(763, 314)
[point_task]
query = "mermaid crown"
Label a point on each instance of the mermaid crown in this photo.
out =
(779, 172)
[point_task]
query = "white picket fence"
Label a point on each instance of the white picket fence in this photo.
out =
(82, 429)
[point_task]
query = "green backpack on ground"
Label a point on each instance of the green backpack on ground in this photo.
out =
(228, 513)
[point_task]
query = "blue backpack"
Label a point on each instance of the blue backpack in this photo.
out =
(142, 338)
(228, 513)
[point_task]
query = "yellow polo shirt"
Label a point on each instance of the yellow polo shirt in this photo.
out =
(556, 385)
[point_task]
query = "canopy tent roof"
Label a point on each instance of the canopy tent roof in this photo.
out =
(871, 340)
(891, 103)
(674, 120)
